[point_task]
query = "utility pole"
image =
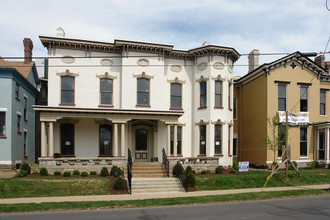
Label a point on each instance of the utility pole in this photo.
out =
(286, 143)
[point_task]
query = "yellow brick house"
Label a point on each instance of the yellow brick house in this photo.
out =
(294, 83)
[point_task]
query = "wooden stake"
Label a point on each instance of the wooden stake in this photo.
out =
(286, 143)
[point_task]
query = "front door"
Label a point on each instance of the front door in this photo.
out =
(321, 150)
(141, 142)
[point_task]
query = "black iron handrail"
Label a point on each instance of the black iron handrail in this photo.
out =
(166, 163)
(182, 175)
(129, 171)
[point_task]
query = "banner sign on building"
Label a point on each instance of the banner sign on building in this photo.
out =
(301, 118)
(243, 166)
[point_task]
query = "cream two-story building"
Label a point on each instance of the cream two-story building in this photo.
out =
(106, 98)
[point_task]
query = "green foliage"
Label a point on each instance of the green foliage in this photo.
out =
(57, 173)
(120, 183)
(219, 170)
(66, 174)
(26, 168)
(93, 173)
(232, 170)
(43, 171)
(116, 171)
(314, 164)
(175, 170)
(21, 173)
(294, 163)
(34, 168)
(191, 180)
(84, 173)
(190, 170)
(235, 165)
(76, 172)
(205, 172)
(104, 172)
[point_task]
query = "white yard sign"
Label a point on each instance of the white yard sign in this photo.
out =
(243, 166)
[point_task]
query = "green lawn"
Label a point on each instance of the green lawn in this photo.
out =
(51, 206)
(256, 179)
(52, 186)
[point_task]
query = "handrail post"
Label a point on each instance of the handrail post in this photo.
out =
(182, 175)
(129, 171)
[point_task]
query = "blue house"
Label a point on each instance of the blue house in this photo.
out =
(18, 92)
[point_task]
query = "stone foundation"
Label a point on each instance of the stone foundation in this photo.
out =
(196, 163)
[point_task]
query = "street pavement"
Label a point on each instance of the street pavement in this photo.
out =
(140, 196)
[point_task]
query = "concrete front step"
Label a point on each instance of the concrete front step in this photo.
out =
(146, 170)
(156, 185)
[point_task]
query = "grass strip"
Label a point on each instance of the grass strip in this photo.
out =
(53, 206)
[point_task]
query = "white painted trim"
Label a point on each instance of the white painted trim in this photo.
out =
(18, 113)
(3, 109)
(8, 162)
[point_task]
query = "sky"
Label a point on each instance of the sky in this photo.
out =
(271, 26)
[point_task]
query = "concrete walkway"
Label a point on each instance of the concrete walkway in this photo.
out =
(141, 196)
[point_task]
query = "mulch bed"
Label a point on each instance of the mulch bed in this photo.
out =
(114, 191)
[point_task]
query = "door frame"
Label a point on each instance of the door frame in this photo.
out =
(149, 133)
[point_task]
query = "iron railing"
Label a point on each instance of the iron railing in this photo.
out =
(182, 175)
(166, 163)
(129, 171)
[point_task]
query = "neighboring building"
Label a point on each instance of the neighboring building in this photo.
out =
(106, 98)
(293, 83)
(18, 81)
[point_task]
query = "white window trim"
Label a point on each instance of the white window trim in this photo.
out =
(307, 156)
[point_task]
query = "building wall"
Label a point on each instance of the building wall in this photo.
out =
(253, 107)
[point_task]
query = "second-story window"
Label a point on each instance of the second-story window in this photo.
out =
(106, 88)
(19, 124)
(323, 102)
(17, 91)
(25, 108)
(67, 90)
(281, 97)
(229, 96)
(176, 96)
(203, 94)
(303, 99)
(235, 109)
(218, 94)
(143, 92)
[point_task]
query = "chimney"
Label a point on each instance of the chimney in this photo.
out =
(320, 60)
(253, 59)
(28, 47)
(60, 32)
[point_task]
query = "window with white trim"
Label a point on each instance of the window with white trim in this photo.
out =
(303, 142)
(2, 124)
(106, 88)
(323, 102)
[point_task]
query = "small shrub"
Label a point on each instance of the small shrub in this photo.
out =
(294, 163)
(235, 166)
(57, 173)
(66, 174)
(116, 171)
(21, 173)
(84, 173)
(26, 168)
(219, 170)
(232, 170)
(175, 170)
(120, 183)
(191, 180)
(190, 170)
(205, 172)
(76, 172)
(43, 172)
(314, 164)
(92, 173)
(34, 168)
(104, 172)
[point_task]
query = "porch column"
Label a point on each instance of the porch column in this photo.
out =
(122, 144)
(175, 141)
(168, 140)
(326, 147)
(50, 140)
(43, 140)
(115, 140)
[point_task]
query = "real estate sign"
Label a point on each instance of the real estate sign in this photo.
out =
(243, 166)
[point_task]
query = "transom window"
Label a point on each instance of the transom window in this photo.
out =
(105, 140)
(203, 94)
(67, 90)
(143, 88)
(217, 139)
(202, 139)
(218, 94)
(176, 96)
(106, 88)
(2, 124)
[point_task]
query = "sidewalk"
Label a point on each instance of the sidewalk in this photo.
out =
(154, 195)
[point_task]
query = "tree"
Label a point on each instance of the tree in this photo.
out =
(277, 137)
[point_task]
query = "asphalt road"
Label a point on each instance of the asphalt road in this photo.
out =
(301, 208)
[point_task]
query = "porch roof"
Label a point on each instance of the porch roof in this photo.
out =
(321, 123)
